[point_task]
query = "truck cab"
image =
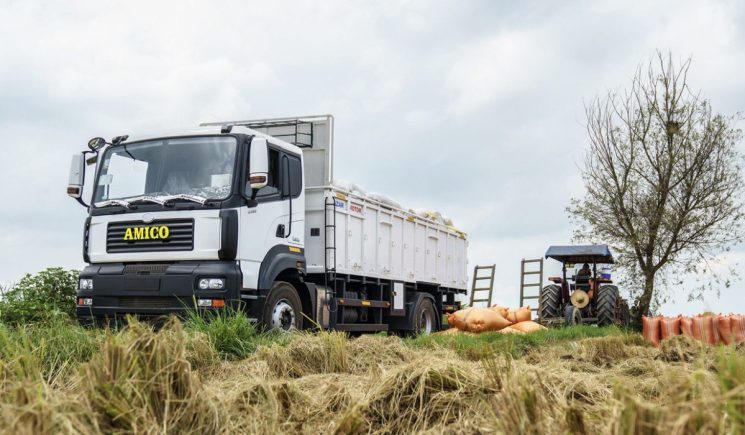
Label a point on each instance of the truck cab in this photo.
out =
(215, 218)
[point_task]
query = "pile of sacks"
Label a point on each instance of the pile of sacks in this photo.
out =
(708, 328)
(495, 318)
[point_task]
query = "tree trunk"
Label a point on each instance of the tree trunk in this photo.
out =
(645, 300)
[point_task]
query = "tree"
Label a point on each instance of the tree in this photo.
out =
(663, 180)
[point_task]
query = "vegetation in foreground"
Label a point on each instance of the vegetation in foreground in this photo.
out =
(222, 376)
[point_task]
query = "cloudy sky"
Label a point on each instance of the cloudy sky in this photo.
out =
(474, 108)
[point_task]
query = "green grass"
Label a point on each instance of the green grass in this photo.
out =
(47, 349)
(489, 343)
(230, 332)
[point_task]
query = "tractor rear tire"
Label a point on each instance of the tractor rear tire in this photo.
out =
(606, 305)
(549, 302)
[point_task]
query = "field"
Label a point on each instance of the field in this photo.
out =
(223, 377)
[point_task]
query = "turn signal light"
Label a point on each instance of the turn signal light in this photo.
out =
(214, 303)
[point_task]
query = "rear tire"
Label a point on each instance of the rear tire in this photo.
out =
(425, 317)
(606, 305)
(549, 302)
(283, 310)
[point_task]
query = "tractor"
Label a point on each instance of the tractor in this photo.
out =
(585, 298)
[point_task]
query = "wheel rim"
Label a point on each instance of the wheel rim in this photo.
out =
(283, 316)
(425, 322)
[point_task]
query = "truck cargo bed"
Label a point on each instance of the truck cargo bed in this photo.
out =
(355, 235)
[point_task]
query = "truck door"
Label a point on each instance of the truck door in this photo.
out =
(268, 223)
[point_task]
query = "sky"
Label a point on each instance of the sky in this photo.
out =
(472, 108)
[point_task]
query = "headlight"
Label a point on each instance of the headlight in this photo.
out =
(85, 284)
(211, 283)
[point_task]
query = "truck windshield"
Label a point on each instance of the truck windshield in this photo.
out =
(198, 166)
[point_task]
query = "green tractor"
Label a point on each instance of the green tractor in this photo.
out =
(586, 297)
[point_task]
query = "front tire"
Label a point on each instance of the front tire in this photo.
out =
(549, 302)
(283, 310)
(572, 315)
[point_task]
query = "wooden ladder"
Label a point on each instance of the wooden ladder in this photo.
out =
(481, 278)
(525, 283)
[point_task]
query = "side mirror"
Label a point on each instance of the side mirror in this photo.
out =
(77, 176)
(258, 171)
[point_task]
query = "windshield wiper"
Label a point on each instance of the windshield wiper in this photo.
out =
(193, 198)
(110, 202)
(153, 199)
(161, 200)
(166, 199)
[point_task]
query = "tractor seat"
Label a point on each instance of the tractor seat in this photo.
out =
(582, 282)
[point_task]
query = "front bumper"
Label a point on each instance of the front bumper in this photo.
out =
(151, 290)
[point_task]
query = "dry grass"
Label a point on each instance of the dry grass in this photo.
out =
(178, 381)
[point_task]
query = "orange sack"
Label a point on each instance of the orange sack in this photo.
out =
(669, 327)
(737, 324)
(528, 326)
(511, 330)
(503, 311)
(651, 329)
(484, 319)
(522, 314)
(724, 328)
(704, 330)
(451, 331)
(458, 318)
(686, 326)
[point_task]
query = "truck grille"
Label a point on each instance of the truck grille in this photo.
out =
(134, 236)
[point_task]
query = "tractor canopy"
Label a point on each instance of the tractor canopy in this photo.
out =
(581, 254)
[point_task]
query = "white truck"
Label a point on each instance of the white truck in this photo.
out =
(247, 214)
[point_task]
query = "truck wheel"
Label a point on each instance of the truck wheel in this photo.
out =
(606, 305)
(549, 302)
(283, 310)
(425, 317)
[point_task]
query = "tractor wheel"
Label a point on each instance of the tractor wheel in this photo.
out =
(549, 302)
(572, 315)
(605, 306)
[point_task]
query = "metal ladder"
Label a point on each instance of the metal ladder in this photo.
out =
(524, 284)
(477, 278)
(329, 227)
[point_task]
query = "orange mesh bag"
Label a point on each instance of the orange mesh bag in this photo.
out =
(651, 329)
(669, 327)
(724, 329)
(738, 328)
(458, 318)
(686, 326)
(528, 326)
(484, 319)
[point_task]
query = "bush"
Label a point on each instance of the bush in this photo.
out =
(48, 295)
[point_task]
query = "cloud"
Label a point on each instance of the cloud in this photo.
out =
(472, 108)
(495, 67)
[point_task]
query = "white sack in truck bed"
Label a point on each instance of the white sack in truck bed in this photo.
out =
(375, 237)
